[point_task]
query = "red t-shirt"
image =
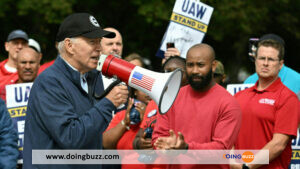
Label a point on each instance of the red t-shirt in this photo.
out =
(6, 78)
(45, 66)
(125, 142)
(273, 110)
(208, 120)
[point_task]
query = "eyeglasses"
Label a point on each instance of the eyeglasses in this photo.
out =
(263, 58)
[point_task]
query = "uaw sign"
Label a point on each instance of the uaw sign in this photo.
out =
(295, 162)
(234, 88)
(16, 99)
(188, 25)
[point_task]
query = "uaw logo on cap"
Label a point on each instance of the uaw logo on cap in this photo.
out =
(94, 21)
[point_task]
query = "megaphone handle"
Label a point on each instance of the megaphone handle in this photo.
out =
(108, 89)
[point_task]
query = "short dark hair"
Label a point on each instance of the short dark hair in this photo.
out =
(274, 41)
(175, 58)
(274, 44)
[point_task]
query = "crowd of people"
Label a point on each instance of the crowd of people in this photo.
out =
(64, 110)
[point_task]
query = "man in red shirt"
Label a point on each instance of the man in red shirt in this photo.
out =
(204, 115)
(269, 109)
(143, 138)
(16, 41)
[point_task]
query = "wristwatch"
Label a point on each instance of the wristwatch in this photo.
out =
(245, 166)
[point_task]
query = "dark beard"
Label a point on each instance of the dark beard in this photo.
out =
(205, 80)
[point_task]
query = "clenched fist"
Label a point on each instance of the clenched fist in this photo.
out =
(118, 95)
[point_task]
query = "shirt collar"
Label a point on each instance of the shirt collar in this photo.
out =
(75, 77)
(273, 87)
(10, 69)
(81, 75)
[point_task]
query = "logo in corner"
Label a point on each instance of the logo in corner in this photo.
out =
(94, 21)
(247, 156)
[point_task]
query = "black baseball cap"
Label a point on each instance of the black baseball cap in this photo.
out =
(272, 36)
(17, 34)
(81, 24)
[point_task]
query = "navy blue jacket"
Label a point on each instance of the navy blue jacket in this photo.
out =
(8, 140)
(61, 115)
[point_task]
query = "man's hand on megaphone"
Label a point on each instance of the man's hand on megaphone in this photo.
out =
(118, 95)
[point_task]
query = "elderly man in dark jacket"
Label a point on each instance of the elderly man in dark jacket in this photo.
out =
(63, 112)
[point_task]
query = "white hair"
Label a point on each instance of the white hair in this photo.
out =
(61, 45)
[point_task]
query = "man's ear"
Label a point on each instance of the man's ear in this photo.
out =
(6, 46)
(214, 65)
(223, 78)
(40, 56)
(281, 63)
(69, 46)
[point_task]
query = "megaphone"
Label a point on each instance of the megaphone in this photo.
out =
(161, 87)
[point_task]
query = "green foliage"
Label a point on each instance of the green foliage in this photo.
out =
(155, 11)
(52, 11)
(4, 4)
